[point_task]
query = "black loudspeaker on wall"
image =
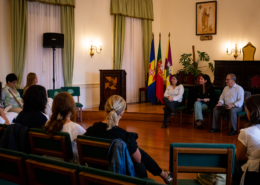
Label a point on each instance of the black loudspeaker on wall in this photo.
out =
(53, 40)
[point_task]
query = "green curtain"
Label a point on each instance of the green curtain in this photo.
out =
(68, 29)
(119, 40)
(57, 2)
(147, 39)
(18, 11)
(141, 9)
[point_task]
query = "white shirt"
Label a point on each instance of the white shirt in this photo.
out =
(176, 93)
(10, 116)
(74, 130)
(232, 96)
(250, 138)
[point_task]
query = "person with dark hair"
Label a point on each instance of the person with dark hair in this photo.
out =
(172, 98)
(62, 108)
(247, 163)
(205, 98)
(114, 109)
(231, 100)
(33, 115)
(10, 96)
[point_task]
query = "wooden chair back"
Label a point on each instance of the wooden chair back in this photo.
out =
(249, 52)
(12, 166)
(202, 158)
(44, 171)
(58, 145)
(93, 151)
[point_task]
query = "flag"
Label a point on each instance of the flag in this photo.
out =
(151, 78)
(168, 65)
(159, 75)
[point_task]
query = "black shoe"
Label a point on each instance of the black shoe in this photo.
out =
(164, 126)
(214, 130)
(232, 133)
(168, 179)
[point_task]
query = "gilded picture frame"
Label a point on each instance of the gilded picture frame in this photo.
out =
(206, 18)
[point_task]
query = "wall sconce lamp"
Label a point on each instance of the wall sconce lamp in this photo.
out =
(93, 48)
(235, 51)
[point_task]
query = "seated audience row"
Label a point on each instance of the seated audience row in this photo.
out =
(231, 100)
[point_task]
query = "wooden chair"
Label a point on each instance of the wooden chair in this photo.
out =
(44, 171)
(239, 114)
(58, 145)
(208, 111)
(53, 92)
(249, 52)
(93, 151)
(183, 106)
(75, 91)
(201, 158)
(143, 89)
(12, 167)
(90, 175)
(20, 92)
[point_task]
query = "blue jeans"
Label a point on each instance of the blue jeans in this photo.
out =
(198, 108)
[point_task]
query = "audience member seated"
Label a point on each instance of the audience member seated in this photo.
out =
(247, 164)
(205, 98)
(172, 98)
(109, 129)
(231, 99)
(7, 117)
(33, 115)
(10, 96)
(31, 80)
(62, 109)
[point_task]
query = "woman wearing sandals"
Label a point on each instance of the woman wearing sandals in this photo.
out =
(205, 99)
(114, 108)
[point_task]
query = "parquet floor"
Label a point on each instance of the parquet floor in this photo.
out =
(155, 141)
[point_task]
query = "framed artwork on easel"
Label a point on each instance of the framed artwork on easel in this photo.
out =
(206, 18)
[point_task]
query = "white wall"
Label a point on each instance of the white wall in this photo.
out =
(237, 23)
(5, 64)
(93, 22)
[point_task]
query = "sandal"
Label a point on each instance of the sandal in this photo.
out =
(169, 178)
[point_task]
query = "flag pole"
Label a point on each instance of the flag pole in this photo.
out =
(160, 35)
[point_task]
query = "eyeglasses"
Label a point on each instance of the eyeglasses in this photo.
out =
(228, 79)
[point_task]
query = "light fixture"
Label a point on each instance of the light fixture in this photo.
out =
(235, 51)
(93, 48)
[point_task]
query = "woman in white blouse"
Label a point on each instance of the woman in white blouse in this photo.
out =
(172, 98)
(248, 146)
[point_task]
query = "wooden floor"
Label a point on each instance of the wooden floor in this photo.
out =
(155, 141)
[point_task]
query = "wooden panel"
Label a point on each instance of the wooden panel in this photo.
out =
(31, 165)
(202, 151)
(196, 169)
(87, 178)
(112, 82)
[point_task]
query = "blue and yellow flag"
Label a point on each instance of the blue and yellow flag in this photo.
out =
(151, 93)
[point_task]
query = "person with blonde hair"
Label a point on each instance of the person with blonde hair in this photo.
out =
(62, 108)
(32, 79)
(114, 108)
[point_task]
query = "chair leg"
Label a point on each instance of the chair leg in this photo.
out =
(181, 117)
(209, 120)
(238, 123)
(80, 114)
(139, 96)
(193, 119)
(75, 116)
(221, 124)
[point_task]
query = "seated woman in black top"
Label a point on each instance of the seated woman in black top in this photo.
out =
(35, 101)
(205, 98)
(109, 129)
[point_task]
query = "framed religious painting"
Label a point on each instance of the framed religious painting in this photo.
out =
(206, 18)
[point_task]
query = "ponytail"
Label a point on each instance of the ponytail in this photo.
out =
(114, 108)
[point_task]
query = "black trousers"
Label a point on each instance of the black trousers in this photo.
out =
(169, 107)
(147, 163)
(250, 178)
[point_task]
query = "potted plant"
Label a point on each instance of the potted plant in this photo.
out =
(190, 66)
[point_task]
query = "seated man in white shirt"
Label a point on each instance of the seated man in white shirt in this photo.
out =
(231, 99)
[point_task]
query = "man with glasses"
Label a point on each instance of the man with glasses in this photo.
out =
(231, 99)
